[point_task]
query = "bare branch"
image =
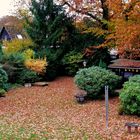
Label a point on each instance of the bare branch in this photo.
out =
(83, 12)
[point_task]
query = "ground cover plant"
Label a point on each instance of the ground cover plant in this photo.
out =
(51, 112)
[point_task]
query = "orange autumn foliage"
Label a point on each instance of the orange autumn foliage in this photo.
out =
(126, 32)
(122, 18)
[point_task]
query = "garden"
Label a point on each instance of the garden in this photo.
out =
(72, 55)
(51, 112)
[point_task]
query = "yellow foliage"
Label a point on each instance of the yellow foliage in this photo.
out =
(28, 54)
(37, 65)
(16, 45)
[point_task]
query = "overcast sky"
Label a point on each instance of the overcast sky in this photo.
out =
(6, 6)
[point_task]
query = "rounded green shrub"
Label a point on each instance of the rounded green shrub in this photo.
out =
(130, 96)
(28, 76)
(135, 78)
(94, 79)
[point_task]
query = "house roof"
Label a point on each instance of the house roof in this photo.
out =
(12, 31)
(4, 34)
(125, 63)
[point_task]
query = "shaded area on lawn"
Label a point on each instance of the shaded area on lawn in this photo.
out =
(52, 112)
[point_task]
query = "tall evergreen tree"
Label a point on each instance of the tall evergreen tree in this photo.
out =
(53, 33)
(49, 26)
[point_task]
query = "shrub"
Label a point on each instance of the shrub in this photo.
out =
(7, 86)
(135, 78)
(2, 92)
(102, 64)
(16, 45)
(130, 96)
(14, 59)
(3, 77)
(28, 53)
(94, 79)
(28, 76)
(3, 81)
(72, 62)
(13, 64)
(37, 65)
(1, 52)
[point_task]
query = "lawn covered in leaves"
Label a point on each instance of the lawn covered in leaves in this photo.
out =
(51, 112)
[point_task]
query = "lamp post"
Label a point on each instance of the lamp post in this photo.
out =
(84, 63)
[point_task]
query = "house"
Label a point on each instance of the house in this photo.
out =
(4, 35)
(9, 33)
(125, 67)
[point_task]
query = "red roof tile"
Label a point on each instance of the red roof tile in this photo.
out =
(125, 63)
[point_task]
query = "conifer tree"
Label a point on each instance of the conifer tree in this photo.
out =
(49, 26)
(53, 33)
